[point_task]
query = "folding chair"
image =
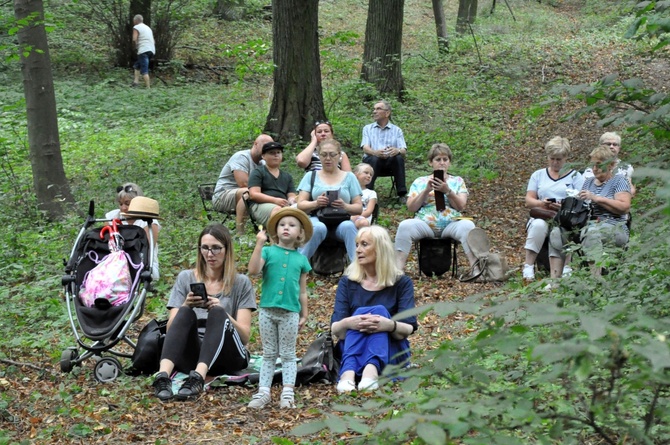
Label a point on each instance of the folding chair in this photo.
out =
(385, 173)
(206, 192)
(430, 249)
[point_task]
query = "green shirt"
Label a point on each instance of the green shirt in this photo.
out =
(281, 277)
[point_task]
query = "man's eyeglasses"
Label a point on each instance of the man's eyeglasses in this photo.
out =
(610, 144)
(317, 123)
(127, 189)
(215, 250)
(328, 155)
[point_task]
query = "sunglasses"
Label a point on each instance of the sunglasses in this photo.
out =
(317, 123)
(127, 189)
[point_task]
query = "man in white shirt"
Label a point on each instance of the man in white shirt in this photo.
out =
(143, 40)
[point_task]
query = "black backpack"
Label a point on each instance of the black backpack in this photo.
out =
(574, 214)
(320, 363)
(330, 257)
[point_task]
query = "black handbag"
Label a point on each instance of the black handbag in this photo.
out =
(320, 363)
(147, 355)
(574, 214)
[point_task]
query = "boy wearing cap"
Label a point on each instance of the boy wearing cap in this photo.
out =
(270, 189)
(283, 304)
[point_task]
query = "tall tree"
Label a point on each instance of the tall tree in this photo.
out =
(467, 13)
(382, 53)
(49, 181)
(441, 27)
(297, 95)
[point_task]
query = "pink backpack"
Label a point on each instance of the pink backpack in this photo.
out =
(110, 281)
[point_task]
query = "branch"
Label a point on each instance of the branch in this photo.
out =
(23, 364)
(649, 417)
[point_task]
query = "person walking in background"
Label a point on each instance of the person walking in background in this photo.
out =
(233, 181)
(143, 40)
(384, 148)
(283, 304)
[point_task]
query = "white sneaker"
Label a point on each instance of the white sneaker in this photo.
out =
(368, 385)
(567, 271)
(287, 400)
(345, 386)
(259, 400)
(529, 272)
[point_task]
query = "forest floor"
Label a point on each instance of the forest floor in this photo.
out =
(221, 415)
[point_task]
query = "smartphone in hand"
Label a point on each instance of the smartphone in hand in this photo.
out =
(200, 290)
(332, 195)
(440, 203)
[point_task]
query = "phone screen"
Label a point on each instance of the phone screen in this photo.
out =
(200, 290)
(332, 195)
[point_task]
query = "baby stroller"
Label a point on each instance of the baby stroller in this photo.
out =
(99, 328)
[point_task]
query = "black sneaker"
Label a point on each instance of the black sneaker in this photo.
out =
(192, 387)
(162, 386)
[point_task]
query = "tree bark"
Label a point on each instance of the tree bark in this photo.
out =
(382, 53)
(441, 27)
(467, 14)
(49, 181)
(297, 100)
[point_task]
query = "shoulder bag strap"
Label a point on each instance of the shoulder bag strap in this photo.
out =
(311, 185)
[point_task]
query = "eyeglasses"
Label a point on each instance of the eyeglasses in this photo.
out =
(330, 155)
(380, 109)
(127, 189)
(317, 123)
(214, 250)
(610, 144)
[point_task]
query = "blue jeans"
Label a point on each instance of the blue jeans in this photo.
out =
(142, 62)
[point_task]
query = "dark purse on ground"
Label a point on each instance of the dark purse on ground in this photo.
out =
(574, 214)
(320, 363)
(147, 355)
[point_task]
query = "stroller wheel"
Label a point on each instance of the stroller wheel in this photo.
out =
(107, 369)
(67, 357)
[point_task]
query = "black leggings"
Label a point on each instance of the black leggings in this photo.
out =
(221, 349)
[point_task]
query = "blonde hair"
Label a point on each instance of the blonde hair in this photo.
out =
(557, 147)
(128, 190)
(385, 265)
(221, 233)
(332, 142)
(359, 168)
(300, 241)
(601, 154)
(610, 135)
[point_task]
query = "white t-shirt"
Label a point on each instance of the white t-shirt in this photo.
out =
(145, 39)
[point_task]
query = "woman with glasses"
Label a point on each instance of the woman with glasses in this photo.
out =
(206, 335)
(333, 187)
(309, 160)
(610, 196)
(124, 194)
(612, 140)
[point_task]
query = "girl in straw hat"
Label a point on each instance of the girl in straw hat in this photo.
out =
(283, 303)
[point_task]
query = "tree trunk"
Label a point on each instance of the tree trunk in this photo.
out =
(467, 14)
(297, 100)
(382, 53)
(441, 27)
(49, 181)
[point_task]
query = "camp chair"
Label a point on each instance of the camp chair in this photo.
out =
(206, 192)
(437, 256)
